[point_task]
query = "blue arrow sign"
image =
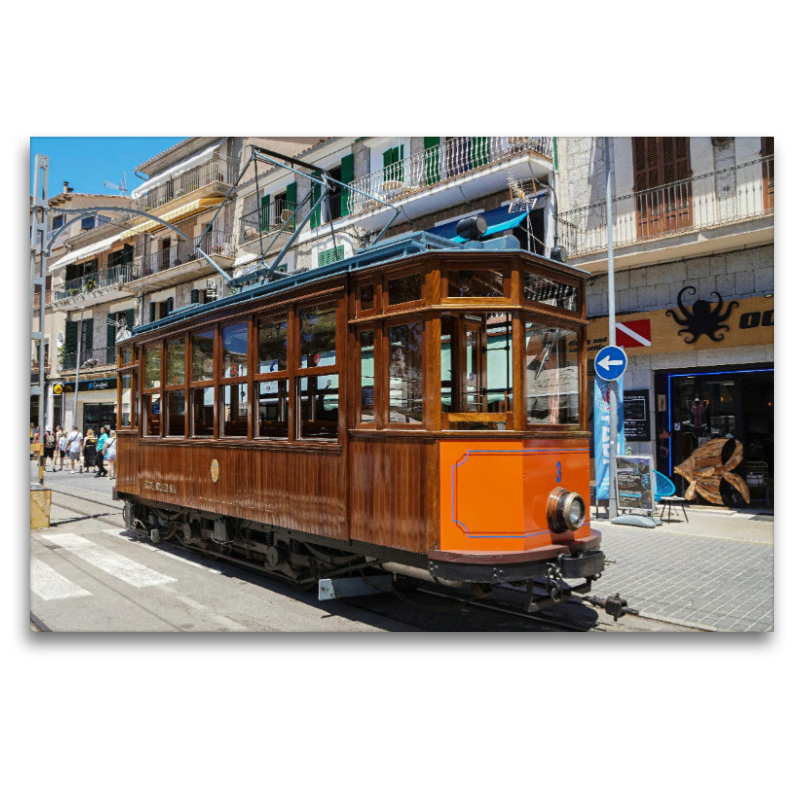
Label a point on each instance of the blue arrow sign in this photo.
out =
(610, 363)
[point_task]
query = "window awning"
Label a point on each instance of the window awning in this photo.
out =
(171, 216)
(178, 169)
(497, 221)
(85, 252)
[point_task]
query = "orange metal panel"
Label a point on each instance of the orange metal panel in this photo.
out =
(494, 494)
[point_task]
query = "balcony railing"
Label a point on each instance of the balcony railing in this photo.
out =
(701, 202)
(218, 170)
(95, 280)
(213, 244)
(268, 220)
(439, 164)
(90, 358)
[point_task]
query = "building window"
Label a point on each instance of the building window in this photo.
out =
(331, 256)
(662, 175)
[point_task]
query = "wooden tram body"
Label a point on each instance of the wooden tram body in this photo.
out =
(417, 408)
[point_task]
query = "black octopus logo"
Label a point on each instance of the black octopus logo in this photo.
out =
(702, 319)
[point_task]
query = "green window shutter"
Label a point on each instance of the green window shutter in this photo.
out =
(70, 344)
(88, 342)
(265, 212)
(392, 164)
(331, 256)
(348, 173)
(291, 203)
(432, 174)
(111, 337)
(129, 318)
(480, 151)
(316, 190)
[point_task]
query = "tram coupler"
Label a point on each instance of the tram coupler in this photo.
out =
(556, 590)
(614, 605)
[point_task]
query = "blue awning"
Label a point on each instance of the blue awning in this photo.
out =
(496, 221)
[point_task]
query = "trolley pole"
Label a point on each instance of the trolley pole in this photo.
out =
(612, 341)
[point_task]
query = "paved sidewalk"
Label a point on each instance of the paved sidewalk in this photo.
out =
(715, 572)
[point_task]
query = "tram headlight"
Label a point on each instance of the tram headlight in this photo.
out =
(565, 510)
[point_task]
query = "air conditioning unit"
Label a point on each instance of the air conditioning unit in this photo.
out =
(211, 289)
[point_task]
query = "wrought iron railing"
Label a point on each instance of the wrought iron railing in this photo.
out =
(268, 220)
(705, 201)
(95, 280)
(90, 357)
(441, 163)
(218, 170)
(213, 244)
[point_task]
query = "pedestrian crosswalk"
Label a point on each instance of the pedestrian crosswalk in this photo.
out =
(49, 584)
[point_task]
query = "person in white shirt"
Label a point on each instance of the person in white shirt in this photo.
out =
(74, 442)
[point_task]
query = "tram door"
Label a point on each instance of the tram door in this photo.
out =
(473, 366)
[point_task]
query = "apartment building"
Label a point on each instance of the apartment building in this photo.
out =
(693, 243)
(77, 249)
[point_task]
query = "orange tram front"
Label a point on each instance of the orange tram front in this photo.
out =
(417, 408)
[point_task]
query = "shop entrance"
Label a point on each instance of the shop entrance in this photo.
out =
(97, 414)
(738, 404)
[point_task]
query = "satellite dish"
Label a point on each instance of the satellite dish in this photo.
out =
(122, 187)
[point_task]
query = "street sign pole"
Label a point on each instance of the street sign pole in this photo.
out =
(612, 336)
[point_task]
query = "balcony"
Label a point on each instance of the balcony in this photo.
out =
(262, 224)
(690, 214)
(91, 359)
(181, 262)
(485, 163)
(106, 285)
(213, 177)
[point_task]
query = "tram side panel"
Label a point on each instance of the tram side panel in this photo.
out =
(298, 490)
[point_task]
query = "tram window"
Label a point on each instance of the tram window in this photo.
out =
(176, 362)
(319, 406)
(405, 373)
(475, 283)
(152, 414)
(235, 408)
(152, 366)
(366, 296)
(203, 411)
(234, 350)
(318, 336)
(203, 356)
(273, 341)
(547, 291)
(273, 409)
(404, 290)
(128, 402)
(551, 374)
(447, 363)
(175, 422)
(366, 342)
(127, 355)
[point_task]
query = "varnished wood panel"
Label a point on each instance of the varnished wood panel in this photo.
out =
(393, 490)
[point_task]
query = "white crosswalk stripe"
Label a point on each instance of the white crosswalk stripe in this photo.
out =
(116, 532)
(110, 562)
(51, 585)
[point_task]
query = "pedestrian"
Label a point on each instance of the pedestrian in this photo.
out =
(101, 446)
(111, 454)
(89, 450)
(50, 448)
(74, 447)
(62, 449)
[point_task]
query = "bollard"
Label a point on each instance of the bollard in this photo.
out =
(40, 507)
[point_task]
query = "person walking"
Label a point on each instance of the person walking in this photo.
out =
(89, 450)
(62, 449)
(74, 447)
(111, 454)
(50, 443)
(101, 446)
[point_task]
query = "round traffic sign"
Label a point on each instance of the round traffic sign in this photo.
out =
(610, 363)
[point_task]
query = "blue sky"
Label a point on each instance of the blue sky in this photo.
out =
(88, 161)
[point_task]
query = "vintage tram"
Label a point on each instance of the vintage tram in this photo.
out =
(419, 408)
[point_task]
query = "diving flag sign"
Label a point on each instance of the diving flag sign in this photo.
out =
(634, 333)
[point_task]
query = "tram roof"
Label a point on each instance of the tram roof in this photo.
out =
(390, 250)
